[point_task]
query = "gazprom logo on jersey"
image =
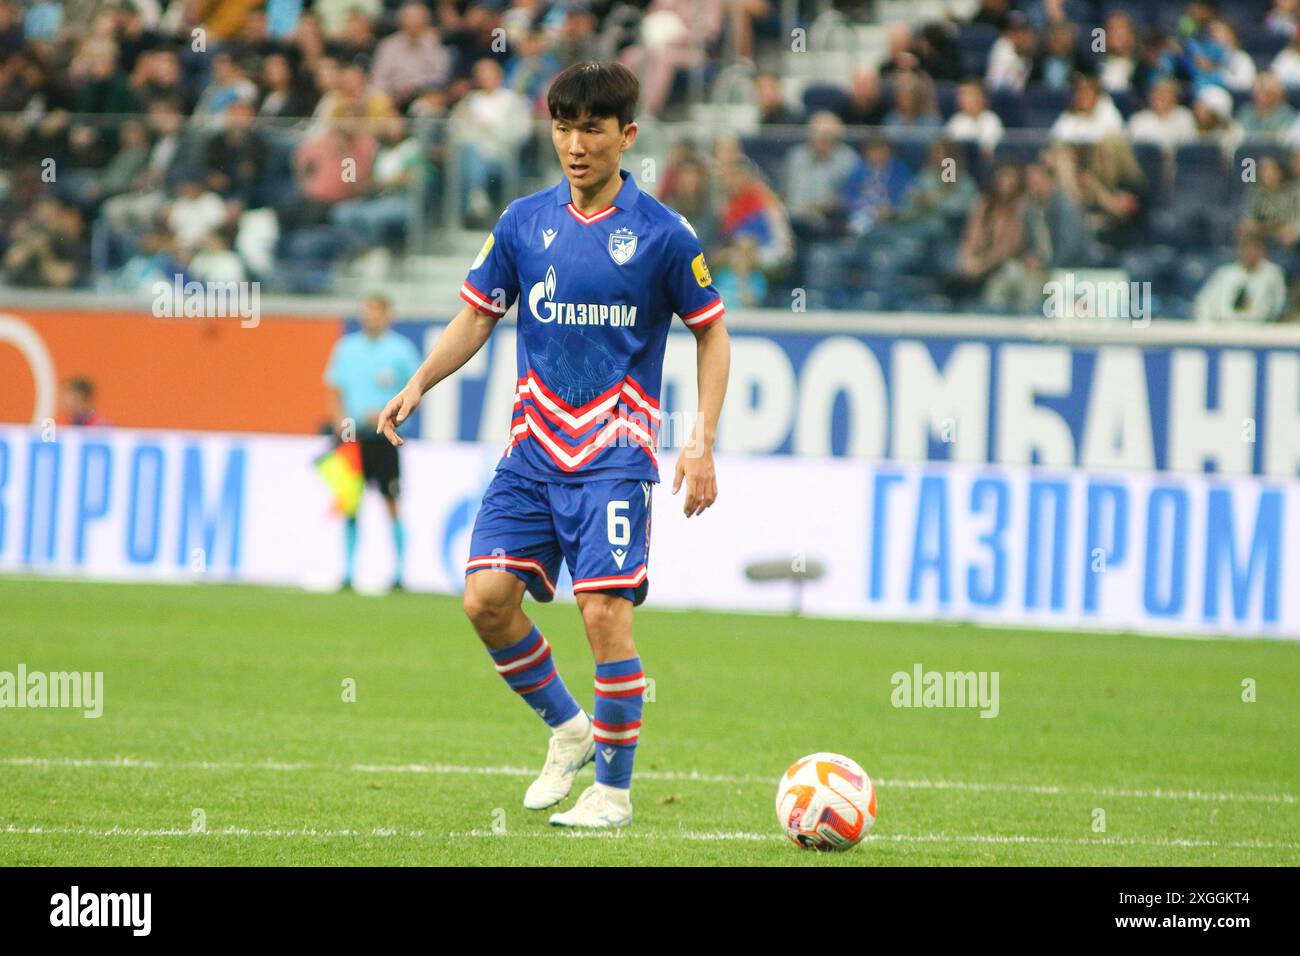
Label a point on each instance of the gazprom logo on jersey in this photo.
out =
(544, 307)
(122, 502)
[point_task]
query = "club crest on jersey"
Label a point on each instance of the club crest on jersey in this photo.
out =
(622, 243)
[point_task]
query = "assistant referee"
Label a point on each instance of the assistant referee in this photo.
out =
(365, 369)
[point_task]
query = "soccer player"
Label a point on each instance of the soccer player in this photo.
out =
(363, 370)
(598, 268)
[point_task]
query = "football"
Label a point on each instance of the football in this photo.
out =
(825, 802)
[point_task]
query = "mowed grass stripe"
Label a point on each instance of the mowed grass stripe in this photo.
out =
(630, 833)
(228, 699)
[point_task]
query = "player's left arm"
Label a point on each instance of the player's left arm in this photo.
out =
(694, 297)
(695, 463)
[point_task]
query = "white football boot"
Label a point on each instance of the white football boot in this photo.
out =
(599, 806)
(567, 753)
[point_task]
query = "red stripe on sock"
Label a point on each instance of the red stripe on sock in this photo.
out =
(522, 654)
(616, 728)
(539, 685)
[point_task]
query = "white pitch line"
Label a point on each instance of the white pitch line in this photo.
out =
(692, 836)
(669, 776)
(902, 838)
(284, 832)
(135, 763)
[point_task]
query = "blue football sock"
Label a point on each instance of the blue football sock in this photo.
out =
(619, 689)
(530, 671)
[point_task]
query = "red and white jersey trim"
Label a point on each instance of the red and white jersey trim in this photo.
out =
(481, 302)
(594, 217)
(548, 411)
(577, 421)
(703, 316)
(499, 562)
(571, 458)
(612, 581)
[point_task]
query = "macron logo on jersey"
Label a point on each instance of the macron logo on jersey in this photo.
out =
(545, 309)
(548, 236)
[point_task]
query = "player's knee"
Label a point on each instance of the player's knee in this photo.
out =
(486, 609)
(605, 616)
(478, 608)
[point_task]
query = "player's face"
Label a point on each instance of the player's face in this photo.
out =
(590, 149)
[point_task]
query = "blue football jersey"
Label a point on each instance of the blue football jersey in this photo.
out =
(597, 294)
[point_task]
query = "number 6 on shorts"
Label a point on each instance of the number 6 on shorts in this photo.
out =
(620, 528)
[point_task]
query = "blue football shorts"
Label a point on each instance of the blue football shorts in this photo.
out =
(600, 528)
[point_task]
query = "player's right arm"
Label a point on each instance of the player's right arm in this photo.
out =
(493, 269)
(460, 340)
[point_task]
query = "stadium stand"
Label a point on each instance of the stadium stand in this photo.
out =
(141, 137)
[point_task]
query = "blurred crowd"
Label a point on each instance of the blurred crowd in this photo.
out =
(271, 139)
(1156, 140)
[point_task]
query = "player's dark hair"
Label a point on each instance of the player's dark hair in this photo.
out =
(596, 89)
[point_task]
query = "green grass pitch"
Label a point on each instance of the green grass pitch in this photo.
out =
(225, 705)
